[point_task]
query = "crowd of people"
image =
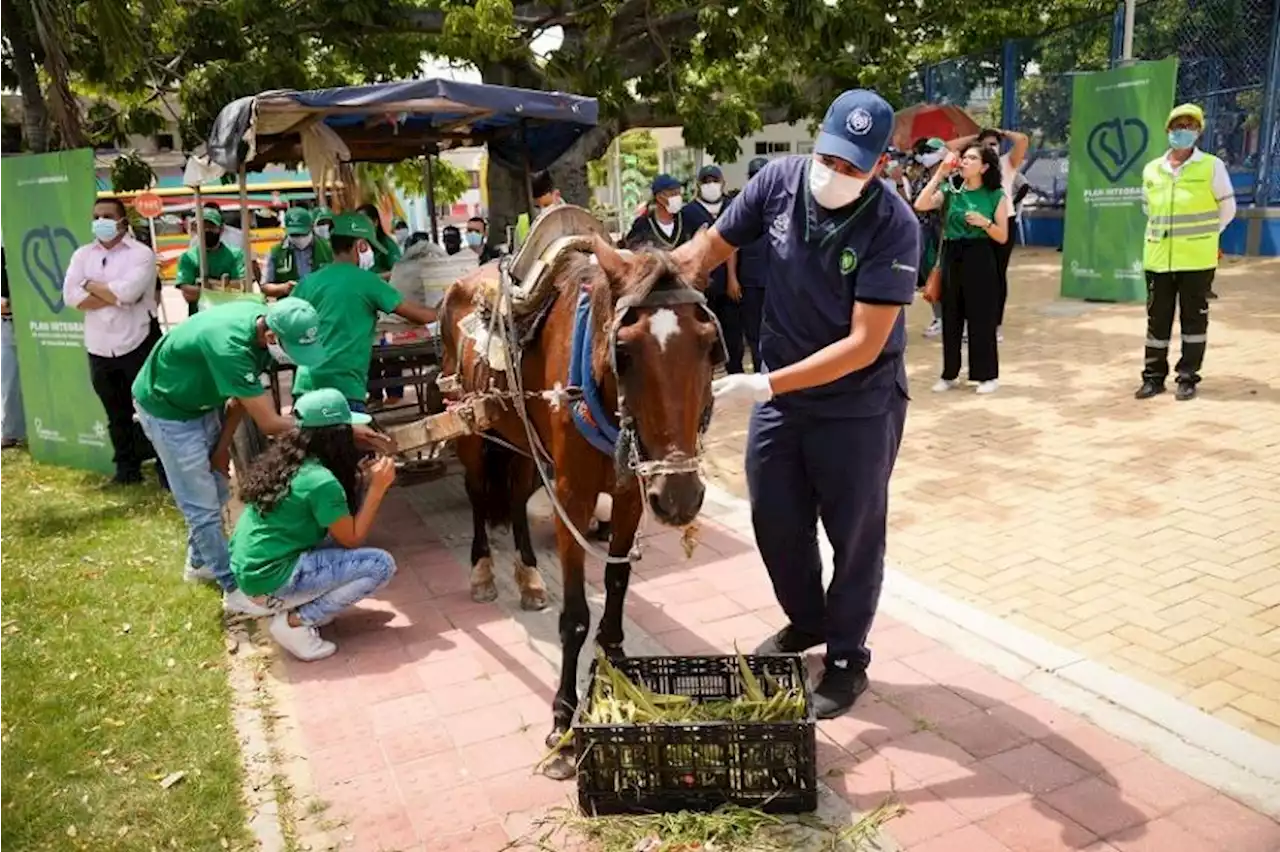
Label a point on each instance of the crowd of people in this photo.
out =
(808, 268)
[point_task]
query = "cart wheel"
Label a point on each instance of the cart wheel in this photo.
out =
(247, 444)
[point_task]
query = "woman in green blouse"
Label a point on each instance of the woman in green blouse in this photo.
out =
(975, 219)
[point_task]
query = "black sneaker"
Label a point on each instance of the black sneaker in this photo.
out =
(788, 640)
(1149, 389)
(842, 682)
(1185, 391)
(127, 477)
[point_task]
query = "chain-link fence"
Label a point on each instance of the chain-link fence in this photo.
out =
(1227, 58)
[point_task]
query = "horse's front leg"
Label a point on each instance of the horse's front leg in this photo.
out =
(533, 591)
(575, 619)
(617, 575)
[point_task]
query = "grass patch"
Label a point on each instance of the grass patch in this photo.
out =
(113, 674)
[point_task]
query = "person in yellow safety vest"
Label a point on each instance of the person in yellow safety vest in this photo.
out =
(1189, 202)
(545, 196)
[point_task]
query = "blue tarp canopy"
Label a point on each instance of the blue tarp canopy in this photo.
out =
(389, 122)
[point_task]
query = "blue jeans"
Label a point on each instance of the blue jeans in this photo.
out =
(327, 580)
(184, 448)
(13, 425)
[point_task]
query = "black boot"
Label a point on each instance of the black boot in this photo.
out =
(1150, 388)
(788, 640)
(1185, 391)
(842, 682)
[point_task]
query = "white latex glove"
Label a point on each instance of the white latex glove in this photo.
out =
(754, 387)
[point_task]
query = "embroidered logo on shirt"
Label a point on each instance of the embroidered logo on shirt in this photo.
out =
(848, 261)
(859, 122)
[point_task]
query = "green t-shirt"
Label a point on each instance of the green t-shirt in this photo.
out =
(384, 260)
(265, 550)
(347, 299)
(206, 360)
(981, 200)
(223, 260)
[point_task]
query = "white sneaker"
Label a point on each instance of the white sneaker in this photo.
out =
(943, 385)
(303, 642)
(933, 329)
(999, 335)
(236, 602)
(989, 386)
(192, 574)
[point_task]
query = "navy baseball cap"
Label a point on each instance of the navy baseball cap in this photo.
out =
(756, 165)
(664, 183)
(857, 129)
(710, 173)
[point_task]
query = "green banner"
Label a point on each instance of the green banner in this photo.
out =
(48, 200)
(1117, 127)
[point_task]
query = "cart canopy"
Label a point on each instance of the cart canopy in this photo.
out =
(389, 122)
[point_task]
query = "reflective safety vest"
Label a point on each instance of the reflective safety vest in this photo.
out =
(1182, 216)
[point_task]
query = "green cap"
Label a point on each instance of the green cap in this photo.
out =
(355, 225)
(1186, 111)
(326, 407)
(213, 217)
(933, 143)
(321, 214)
(297, 221)
(297, 326)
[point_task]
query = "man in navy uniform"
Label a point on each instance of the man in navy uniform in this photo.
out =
(748, 273)
(824, 435)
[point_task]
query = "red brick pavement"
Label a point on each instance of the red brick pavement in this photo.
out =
(421, 732)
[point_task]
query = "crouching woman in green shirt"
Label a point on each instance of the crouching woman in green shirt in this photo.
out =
(296, 548)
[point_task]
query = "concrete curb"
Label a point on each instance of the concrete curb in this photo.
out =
(1213, 752)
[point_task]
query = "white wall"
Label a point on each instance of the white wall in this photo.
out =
(795, 137)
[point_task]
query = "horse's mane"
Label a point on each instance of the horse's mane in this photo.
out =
(652, 270)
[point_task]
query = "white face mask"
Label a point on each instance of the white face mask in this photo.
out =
(300, 240)
(277, 352)
(712, 192)
(831, 189)
(402, 234)
(366, 258)
(322, 231)
(674, 203)
(931, 159)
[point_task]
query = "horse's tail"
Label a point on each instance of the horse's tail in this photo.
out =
(497, 483)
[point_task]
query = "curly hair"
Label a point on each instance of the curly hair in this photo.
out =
(267, 481)
(991, 177)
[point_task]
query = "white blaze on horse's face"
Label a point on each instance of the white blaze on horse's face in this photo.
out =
(663, 325)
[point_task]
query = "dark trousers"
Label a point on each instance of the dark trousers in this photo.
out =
(1189, 291)
(112, 379)
(801, 468)
(1004, 251)
(385, 370)
(970, 294)
(752, 316)
(729, 313)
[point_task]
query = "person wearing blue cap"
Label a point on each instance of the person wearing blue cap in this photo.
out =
(832, 400)
(664, 225)
(724, 291)
(749, 266)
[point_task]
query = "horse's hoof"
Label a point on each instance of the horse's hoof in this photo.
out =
(554, 738)
(484, 592)
(560, 768)
(533, 592)
(614, 653)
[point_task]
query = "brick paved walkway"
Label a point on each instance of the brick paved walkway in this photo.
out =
(1143, 535)
(420, 734)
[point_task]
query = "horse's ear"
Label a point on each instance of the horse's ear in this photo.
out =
(613, 264)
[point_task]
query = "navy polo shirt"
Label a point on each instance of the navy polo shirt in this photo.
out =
(819, 263)
(696, 215)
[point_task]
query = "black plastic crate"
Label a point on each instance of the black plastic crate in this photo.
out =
(654, 768)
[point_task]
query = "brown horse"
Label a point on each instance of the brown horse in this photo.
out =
(653, 346)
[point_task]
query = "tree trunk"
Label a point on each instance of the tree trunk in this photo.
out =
(35, 113)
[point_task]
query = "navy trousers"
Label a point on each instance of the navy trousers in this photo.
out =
(801, 468)
(752, 315)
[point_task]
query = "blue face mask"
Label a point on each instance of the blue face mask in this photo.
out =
(1179, 139)
(474, 239)
(105, 230)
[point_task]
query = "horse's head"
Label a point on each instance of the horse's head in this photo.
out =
(661, 342)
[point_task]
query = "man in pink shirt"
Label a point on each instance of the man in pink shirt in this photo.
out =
(112, 280)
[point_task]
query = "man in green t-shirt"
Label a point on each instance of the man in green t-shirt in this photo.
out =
(224, 264)
(298, 255)
(348, 300)
(214, 357)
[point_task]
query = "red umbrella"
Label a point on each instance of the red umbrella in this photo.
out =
(922, 121)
